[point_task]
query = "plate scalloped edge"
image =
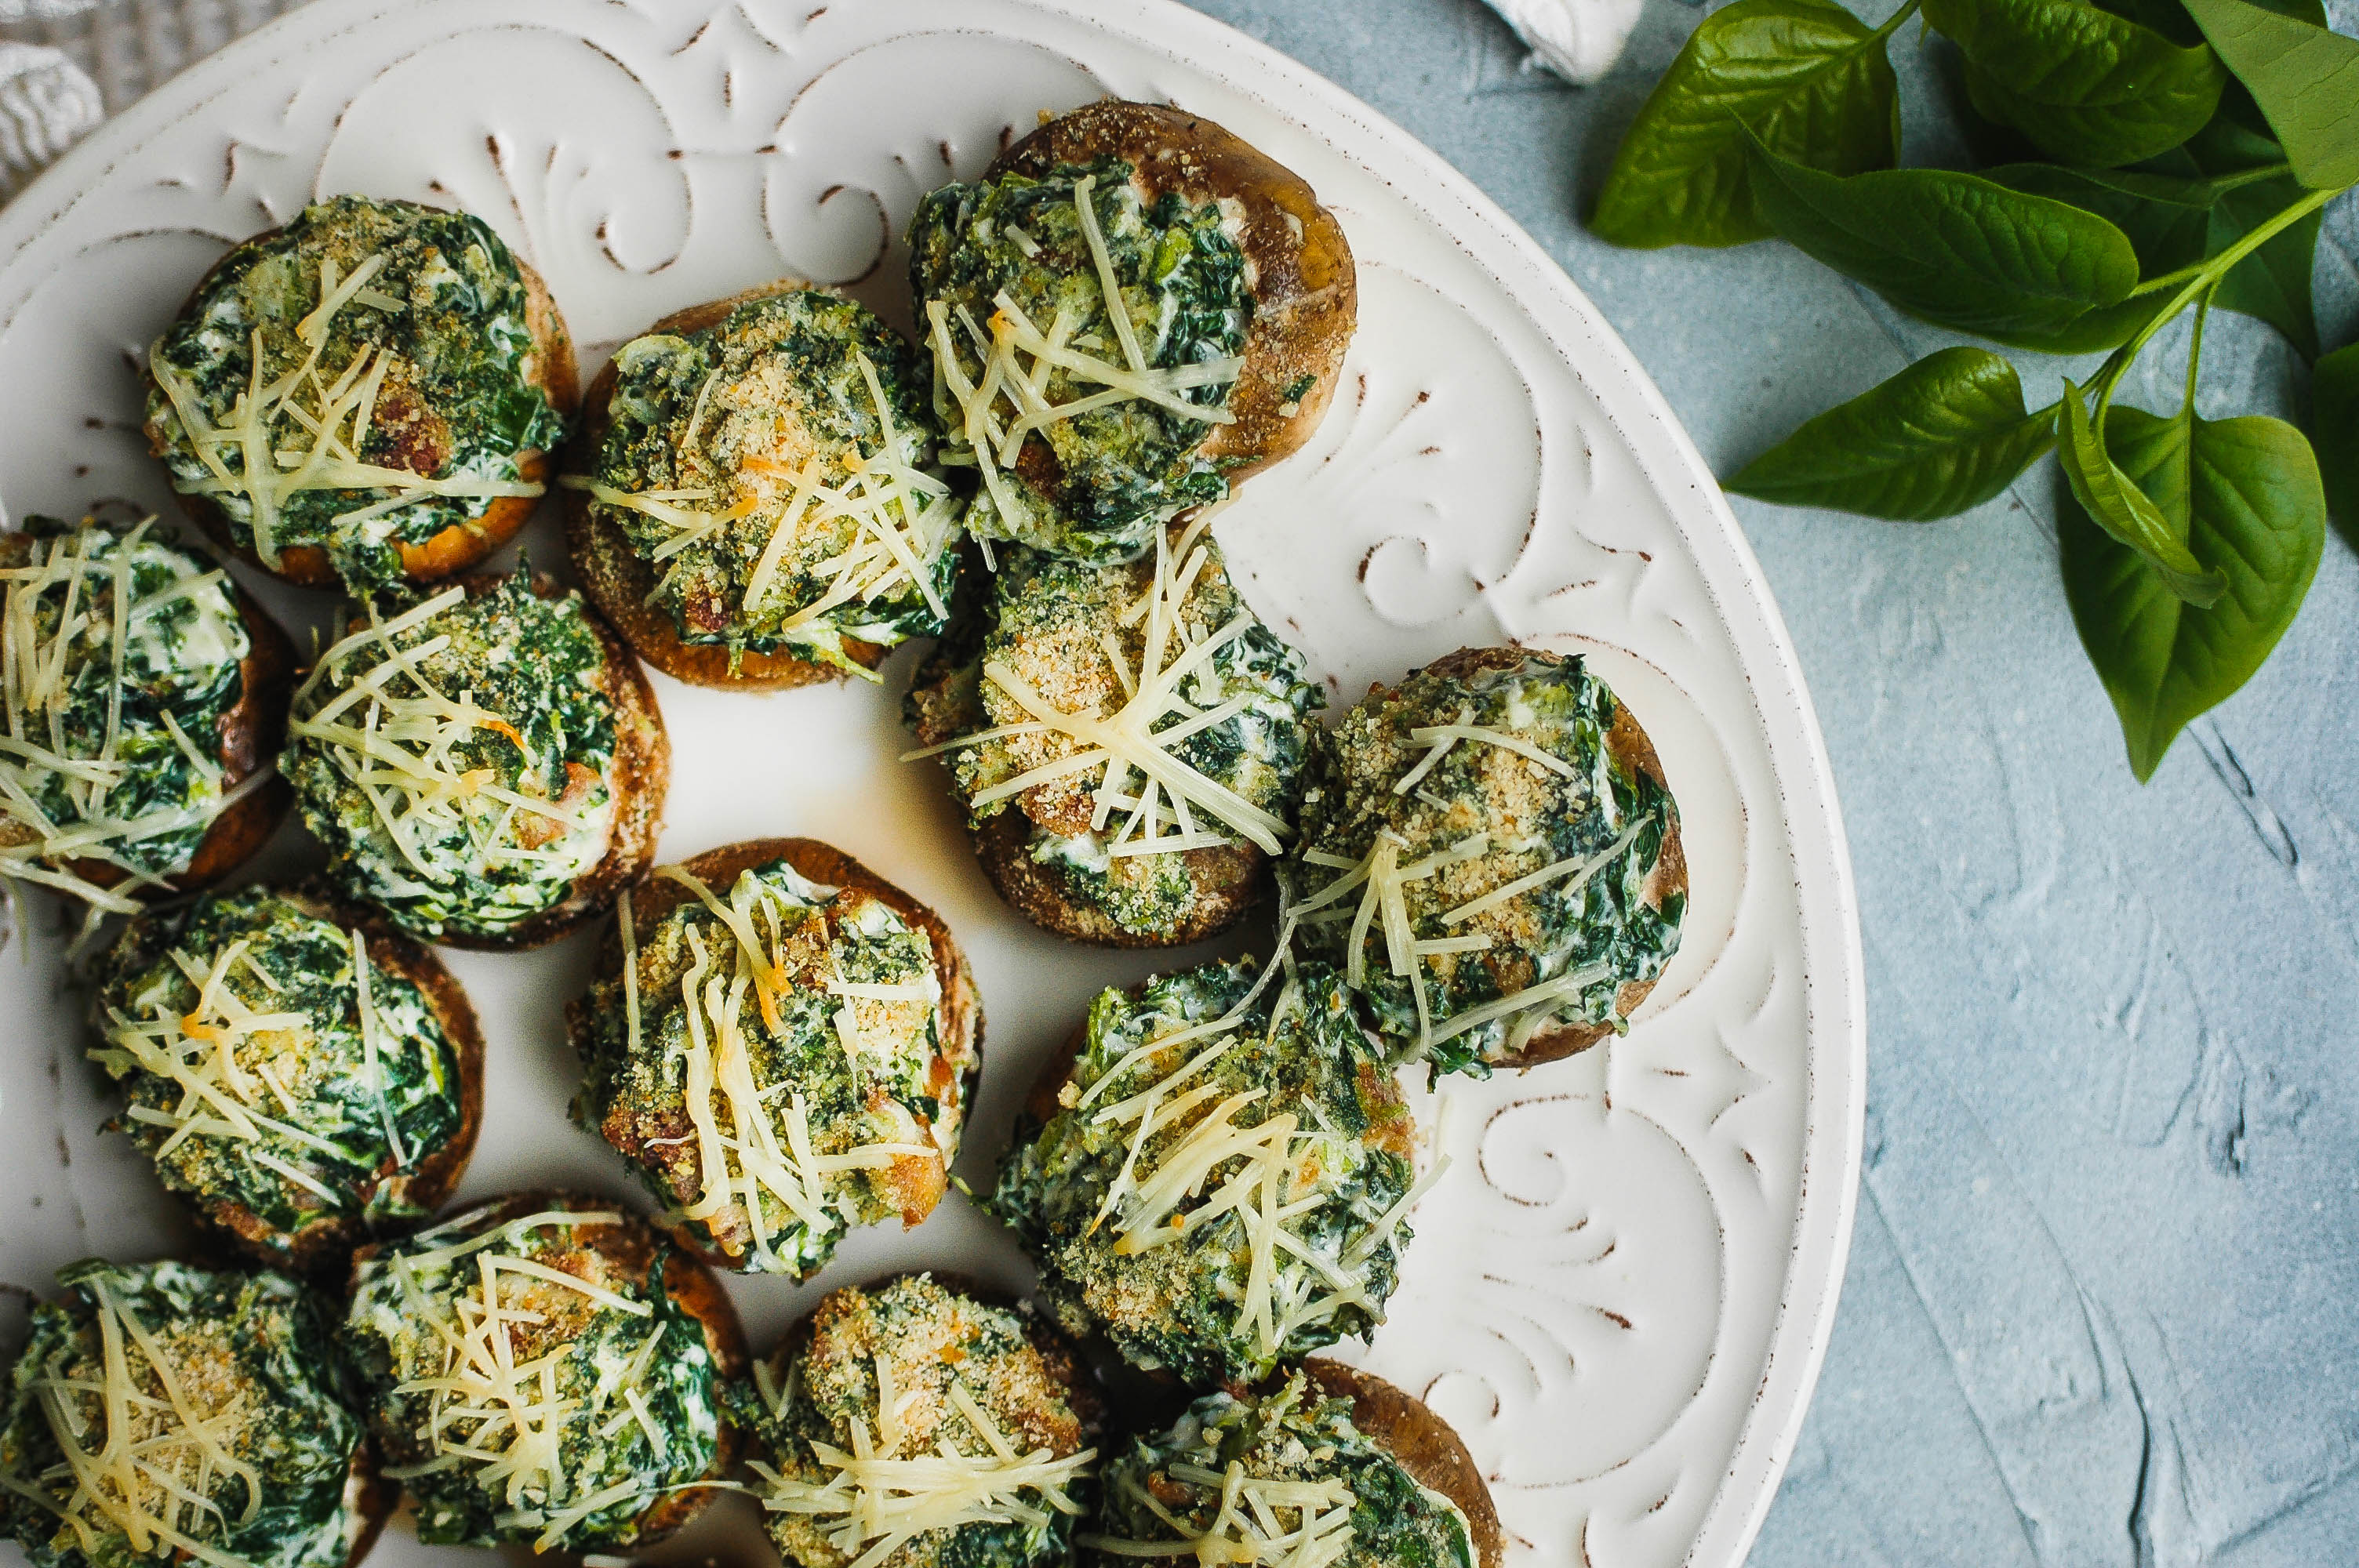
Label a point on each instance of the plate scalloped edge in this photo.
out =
(1628, 1280)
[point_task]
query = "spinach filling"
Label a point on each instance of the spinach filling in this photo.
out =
(465, 789)
(379, 349)
(238, 1412)
(1195, 1113)
(1265, 1477)
(1519, 837)
(775, 470)
(1160, 646)
(114, 741)
(598, 1399)
(980, 1464)
(776, 1095)
(1010, 284)
(259, 1072)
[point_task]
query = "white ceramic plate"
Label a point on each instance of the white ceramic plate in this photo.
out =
(1620, 1291)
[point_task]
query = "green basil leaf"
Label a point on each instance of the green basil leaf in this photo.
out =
(1946, 434)
(2166, 219)
(2310, 11)
(2272, 283)
(2115, 504)
(1809, 77)
(2168, 17)
(2106, 327)
(2244, 494)
(2334, 415)
(2086, 86)
(2305, 79)
(1954, 249)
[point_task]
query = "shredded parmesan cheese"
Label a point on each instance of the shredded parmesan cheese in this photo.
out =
(1251, 1524)
(305, 430)
(392, 734)
(67, 577)
(902, 518)
(502, 1418)
(747, 1149)
(1267, 1173)
(196, 1052)
(1006, 399)
(165, 1439)
(875, 1499)
(1139, 739)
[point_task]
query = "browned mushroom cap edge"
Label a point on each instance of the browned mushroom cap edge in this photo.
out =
(1425, 1445)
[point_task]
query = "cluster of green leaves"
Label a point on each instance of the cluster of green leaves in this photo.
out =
(2152, 158)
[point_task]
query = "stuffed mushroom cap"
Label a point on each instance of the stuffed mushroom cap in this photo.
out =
(203, 1417)
(754, 500)
(148, 697)
(1216, 1174)
(1491, 856)
(1089, 426)
(546, 1368)
(784, 1046)
(486, 766)
(919, 1423)
(1065, 685)
(410, 375)
(1324, 1464)
(298, 1074)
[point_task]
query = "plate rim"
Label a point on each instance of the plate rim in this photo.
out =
(1801, 767)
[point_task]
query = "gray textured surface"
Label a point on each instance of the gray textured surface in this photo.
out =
(2100, 1305)
(2103, 1299)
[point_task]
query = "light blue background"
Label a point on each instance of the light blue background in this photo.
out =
(2102, 1305)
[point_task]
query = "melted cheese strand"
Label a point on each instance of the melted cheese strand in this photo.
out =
(372, 1028)
(1109, 287)
(1438, 734)
(337, 422)
(1533, 999)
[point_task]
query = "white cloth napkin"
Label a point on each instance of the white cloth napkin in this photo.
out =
(1578, 39)
(67, 64)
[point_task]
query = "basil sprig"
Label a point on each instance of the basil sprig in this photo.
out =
(2180, 156)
